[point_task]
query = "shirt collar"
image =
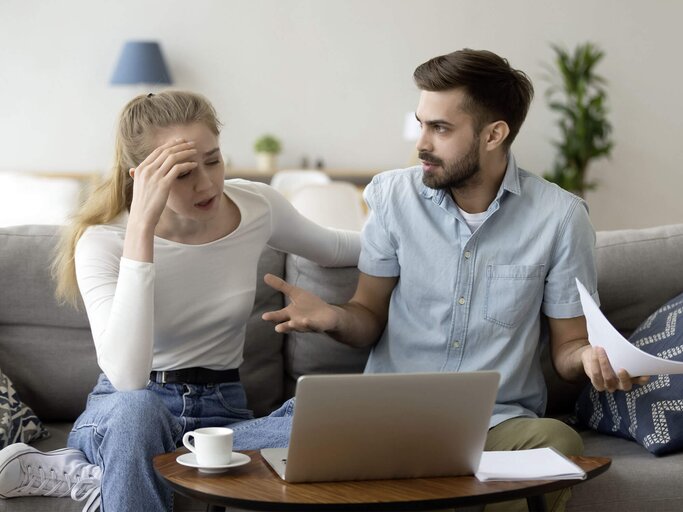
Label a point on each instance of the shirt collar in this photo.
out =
(510, 183)
(511, 178)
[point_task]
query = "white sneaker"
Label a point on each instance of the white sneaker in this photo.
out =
(25, 471)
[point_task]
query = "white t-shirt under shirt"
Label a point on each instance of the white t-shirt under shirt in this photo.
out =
(473, 220)
(190, 306)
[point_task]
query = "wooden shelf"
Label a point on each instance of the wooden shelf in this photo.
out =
(83, 177)
(358, 177)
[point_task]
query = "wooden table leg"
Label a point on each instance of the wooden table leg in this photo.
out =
(536, 503)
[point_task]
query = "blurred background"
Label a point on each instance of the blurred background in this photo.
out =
(332, 80)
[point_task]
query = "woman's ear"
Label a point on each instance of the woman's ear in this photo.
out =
(496, 134)
(131, 171)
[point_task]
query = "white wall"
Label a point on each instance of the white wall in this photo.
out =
(333, 79)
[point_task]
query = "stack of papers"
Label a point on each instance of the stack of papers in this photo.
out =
(536, 464)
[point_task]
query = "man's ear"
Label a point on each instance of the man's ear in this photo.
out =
(496, 134)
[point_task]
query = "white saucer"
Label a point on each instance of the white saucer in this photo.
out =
(190, 459)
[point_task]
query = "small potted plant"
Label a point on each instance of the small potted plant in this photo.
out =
(267, 147)
(578, 95)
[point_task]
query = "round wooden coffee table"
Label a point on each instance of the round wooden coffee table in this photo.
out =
(255, 486)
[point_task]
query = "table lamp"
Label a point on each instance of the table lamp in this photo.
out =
(141, 62)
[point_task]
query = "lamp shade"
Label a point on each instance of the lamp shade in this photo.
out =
(141, 62)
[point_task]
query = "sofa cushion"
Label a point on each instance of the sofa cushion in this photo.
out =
(18, 423)
(651, 414)
(47, 349)
(25, 278)
(262, 371)
(629, 262)
(311, 353)
(636, 481)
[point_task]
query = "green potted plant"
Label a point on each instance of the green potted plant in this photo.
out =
(579, 98)
(267, 147)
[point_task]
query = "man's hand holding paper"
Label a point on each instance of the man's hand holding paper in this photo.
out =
(597, 365)
(610, 348)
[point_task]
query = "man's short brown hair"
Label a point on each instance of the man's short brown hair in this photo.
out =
(493, 90)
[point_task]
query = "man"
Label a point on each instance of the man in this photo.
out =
(462, 258)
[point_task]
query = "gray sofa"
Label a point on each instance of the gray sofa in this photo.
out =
(48, 353)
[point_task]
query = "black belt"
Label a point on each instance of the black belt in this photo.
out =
(195, 376)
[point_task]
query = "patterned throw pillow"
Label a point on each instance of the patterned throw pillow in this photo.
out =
(652, 414)
(18, 424)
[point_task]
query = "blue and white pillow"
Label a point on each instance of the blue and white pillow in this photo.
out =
(18, 423)
(652, 414)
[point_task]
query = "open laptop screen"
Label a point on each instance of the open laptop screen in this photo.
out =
(378, 426)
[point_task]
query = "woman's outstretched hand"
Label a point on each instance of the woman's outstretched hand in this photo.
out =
(306, 312)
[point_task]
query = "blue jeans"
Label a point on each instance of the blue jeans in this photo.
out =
(121, 431)
(271, 431)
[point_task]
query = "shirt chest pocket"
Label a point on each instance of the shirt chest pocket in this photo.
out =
(511, 290)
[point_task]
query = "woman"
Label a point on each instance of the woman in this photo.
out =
(164, 255)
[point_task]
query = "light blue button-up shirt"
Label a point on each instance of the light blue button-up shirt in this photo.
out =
(473, 301)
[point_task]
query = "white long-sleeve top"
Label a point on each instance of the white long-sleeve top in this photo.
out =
(190, 306)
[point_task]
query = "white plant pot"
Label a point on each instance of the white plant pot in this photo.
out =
(266, 162)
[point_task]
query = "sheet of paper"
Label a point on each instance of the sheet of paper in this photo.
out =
(620, 352)
(536, 464)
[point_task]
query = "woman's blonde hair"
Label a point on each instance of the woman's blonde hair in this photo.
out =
(137, 122)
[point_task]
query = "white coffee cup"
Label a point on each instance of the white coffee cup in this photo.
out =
(212, 445)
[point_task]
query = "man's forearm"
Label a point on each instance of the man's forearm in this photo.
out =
(358, 326)
(568, 361)
(568, 342)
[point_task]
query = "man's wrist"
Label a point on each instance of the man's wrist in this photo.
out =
(583, 364)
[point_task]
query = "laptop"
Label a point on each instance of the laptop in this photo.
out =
(385, 426)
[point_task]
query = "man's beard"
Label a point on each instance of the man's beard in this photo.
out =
(454, 174)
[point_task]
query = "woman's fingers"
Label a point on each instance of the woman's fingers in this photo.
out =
(165, 157)
(178, 169)
(173, 156)
(157, 151)
(170, 157)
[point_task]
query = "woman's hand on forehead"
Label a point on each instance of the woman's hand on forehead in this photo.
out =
(155, 175)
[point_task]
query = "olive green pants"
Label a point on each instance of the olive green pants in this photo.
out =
(527, 433)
